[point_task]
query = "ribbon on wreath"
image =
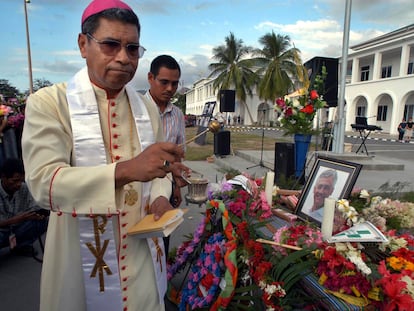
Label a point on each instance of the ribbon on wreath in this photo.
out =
(230, 260)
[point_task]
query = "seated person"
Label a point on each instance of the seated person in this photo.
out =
(22, 221)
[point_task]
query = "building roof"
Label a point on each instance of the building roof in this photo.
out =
(390, 36)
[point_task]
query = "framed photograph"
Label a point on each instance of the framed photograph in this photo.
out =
(205, 121)
(329, 177)
(211, 107)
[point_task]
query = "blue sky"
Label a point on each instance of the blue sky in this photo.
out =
(187, 30)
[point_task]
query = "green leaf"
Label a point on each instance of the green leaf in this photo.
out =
(288, 260)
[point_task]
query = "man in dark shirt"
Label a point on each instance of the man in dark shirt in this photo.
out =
(21, 219)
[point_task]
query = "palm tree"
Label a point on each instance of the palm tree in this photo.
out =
(279, 66)
(234, 70)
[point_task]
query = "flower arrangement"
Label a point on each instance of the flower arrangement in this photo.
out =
(227, 266)
(365, 274)
(297, 112)
(231, 267)
(385, 214)
(358, 273)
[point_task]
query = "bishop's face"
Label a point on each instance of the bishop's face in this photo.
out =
(110, 70)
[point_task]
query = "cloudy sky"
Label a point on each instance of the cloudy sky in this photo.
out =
(187, 30)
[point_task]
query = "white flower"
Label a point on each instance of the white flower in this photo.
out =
(270, 289)
(262, 284)
(295, 102)
(410, 285)
(364, 194)
(342, 205)
(376, 200)
(348, 211)
(354, 256)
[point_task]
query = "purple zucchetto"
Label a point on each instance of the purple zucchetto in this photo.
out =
(98, 6)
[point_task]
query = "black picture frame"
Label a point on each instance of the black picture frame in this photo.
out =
(347, 174)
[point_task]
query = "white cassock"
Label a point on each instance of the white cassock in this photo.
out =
(68, 190)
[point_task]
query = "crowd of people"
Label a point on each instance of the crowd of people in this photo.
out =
(12, 116)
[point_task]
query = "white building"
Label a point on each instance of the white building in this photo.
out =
(203, 92)
(380, 83)
(379, 86)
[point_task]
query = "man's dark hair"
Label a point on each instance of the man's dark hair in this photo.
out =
(164, 61)
(116, 14)
(11, 167)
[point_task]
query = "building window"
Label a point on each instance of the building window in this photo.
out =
(361, 111)
(408, 111)
(410, 68)
(386, 72)
(382, 113)
(365, 73)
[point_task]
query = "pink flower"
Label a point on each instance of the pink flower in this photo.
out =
(281, 103)
(289, 112)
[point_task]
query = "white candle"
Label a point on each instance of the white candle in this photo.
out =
(270, 177)
(328, 218)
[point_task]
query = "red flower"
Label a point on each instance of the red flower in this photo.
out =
(313, 94)
(242, 231)
(397, 299)
(288, 112)
(308, 109)
(281, 103)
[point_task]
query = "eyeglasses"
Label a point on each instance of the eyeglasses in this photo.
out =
(165, 82)
(112, 47)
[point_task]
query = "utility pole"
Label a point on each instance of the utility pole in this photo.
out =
(339, 131)
(29, 56)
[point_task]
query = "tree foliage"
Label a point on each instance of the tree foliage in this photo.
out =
(40, 83)
(234, 69)
(179, 100)
(279, 65)
(274, 70)
(8, 90)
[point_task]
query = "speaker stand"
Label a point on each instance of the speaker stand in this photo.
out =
(261, 154)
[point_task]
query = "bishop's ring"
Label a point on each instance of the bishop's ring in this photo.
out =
(166, 164)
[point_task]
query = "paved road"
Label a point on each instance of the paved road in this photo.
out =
(377, 143)
(383, 148)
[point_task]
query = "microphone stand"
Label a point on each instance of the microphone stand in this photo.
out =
(261, 164)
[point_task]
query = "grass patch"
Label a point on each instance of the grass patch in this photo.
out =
(238, 141)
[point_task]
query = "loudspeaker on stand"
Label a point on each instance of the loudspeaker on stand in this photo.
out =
(284, 161)
(222, 143)
(227, 100)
